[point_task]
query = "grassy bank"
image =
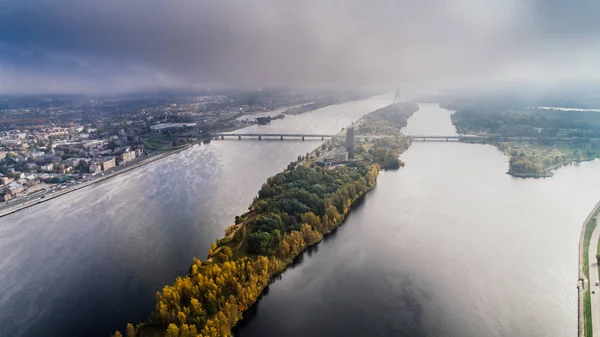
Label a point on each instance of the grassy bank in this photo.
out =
(588, 314)
(589, 229)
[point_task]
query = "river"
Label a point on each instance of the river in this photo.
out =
(87, 262)
(447, 246)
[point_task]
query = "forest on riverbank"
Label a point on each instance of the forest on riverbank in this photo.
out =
(536, 140)
(293, 210)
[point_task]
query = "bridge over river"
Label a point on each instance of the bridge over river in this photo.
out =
(304, 136)
(442, 138)
(260, 136)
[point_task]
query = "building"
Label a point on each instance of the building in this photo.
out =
(47, 159)
(5, 195)
(31, 167)
(93, 144)
(5, 180)
(108, 163)
(170, 126)
(335, 156)
(15, 188)
(350, 142)
(10, 142)
(127, 156)
(47, 167)
(31, 180)
(95, 168)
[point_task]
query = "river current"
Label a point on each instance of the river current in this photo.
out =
(447, 246)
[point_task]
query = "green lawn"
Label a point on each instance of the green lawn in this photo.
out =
(587, 332)
(589, 228)
(157, 141)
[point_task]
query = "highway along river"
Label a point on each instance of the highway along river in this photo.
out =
(447, 246)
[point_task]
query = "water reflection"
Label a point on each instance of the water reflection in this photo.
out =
(90, 261)
(447, 246)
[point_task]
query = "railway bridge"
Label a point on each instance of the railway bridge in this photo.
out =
(303, 136)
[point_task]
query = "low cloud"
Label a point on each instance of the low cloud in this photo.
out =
(108, 46)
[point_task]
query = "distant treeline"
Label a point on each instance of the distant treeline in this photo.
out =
(544, 130)
(525, 122)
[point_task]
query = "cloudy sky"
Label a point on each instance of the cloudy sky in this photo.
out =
(110, 46)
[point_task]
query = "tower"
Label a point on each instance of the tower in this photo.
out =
(397, 97)
(350, 141)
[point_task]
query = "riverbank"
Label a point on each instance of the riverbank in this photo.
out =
(583, 285)
(532, 159)
(52, 195)
(155, 143)
(294, 210)
(530, 175)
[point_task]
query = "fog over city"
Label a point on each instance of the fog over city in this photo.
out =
(107, 46)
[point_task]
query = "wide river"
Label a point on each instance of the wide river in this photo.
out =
(447, 246)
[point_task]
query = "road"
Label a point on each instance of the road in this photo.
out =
(593, 278)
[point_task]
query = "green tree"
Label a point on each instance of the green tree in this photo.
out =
(260, 243)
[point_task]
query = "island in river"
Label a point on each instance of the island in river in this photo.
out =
(294, 209)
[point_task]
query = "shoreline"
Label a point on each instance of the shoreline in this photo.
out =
(296, 258)
(548, 171)
(142, 162)
(530, 175)
(583, 282)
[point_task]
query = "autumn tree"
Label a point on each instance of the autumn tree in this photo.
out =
(130, 330)
(172, 331)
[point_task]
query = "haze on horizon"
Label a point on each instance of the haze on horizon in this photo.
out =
(109, 46)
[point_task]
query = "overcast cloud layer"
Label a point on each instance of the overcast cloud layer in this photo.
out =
(108, 46)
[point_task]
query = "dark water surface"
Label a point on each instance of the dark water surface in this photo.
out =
(86, 263)
(447, 246)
